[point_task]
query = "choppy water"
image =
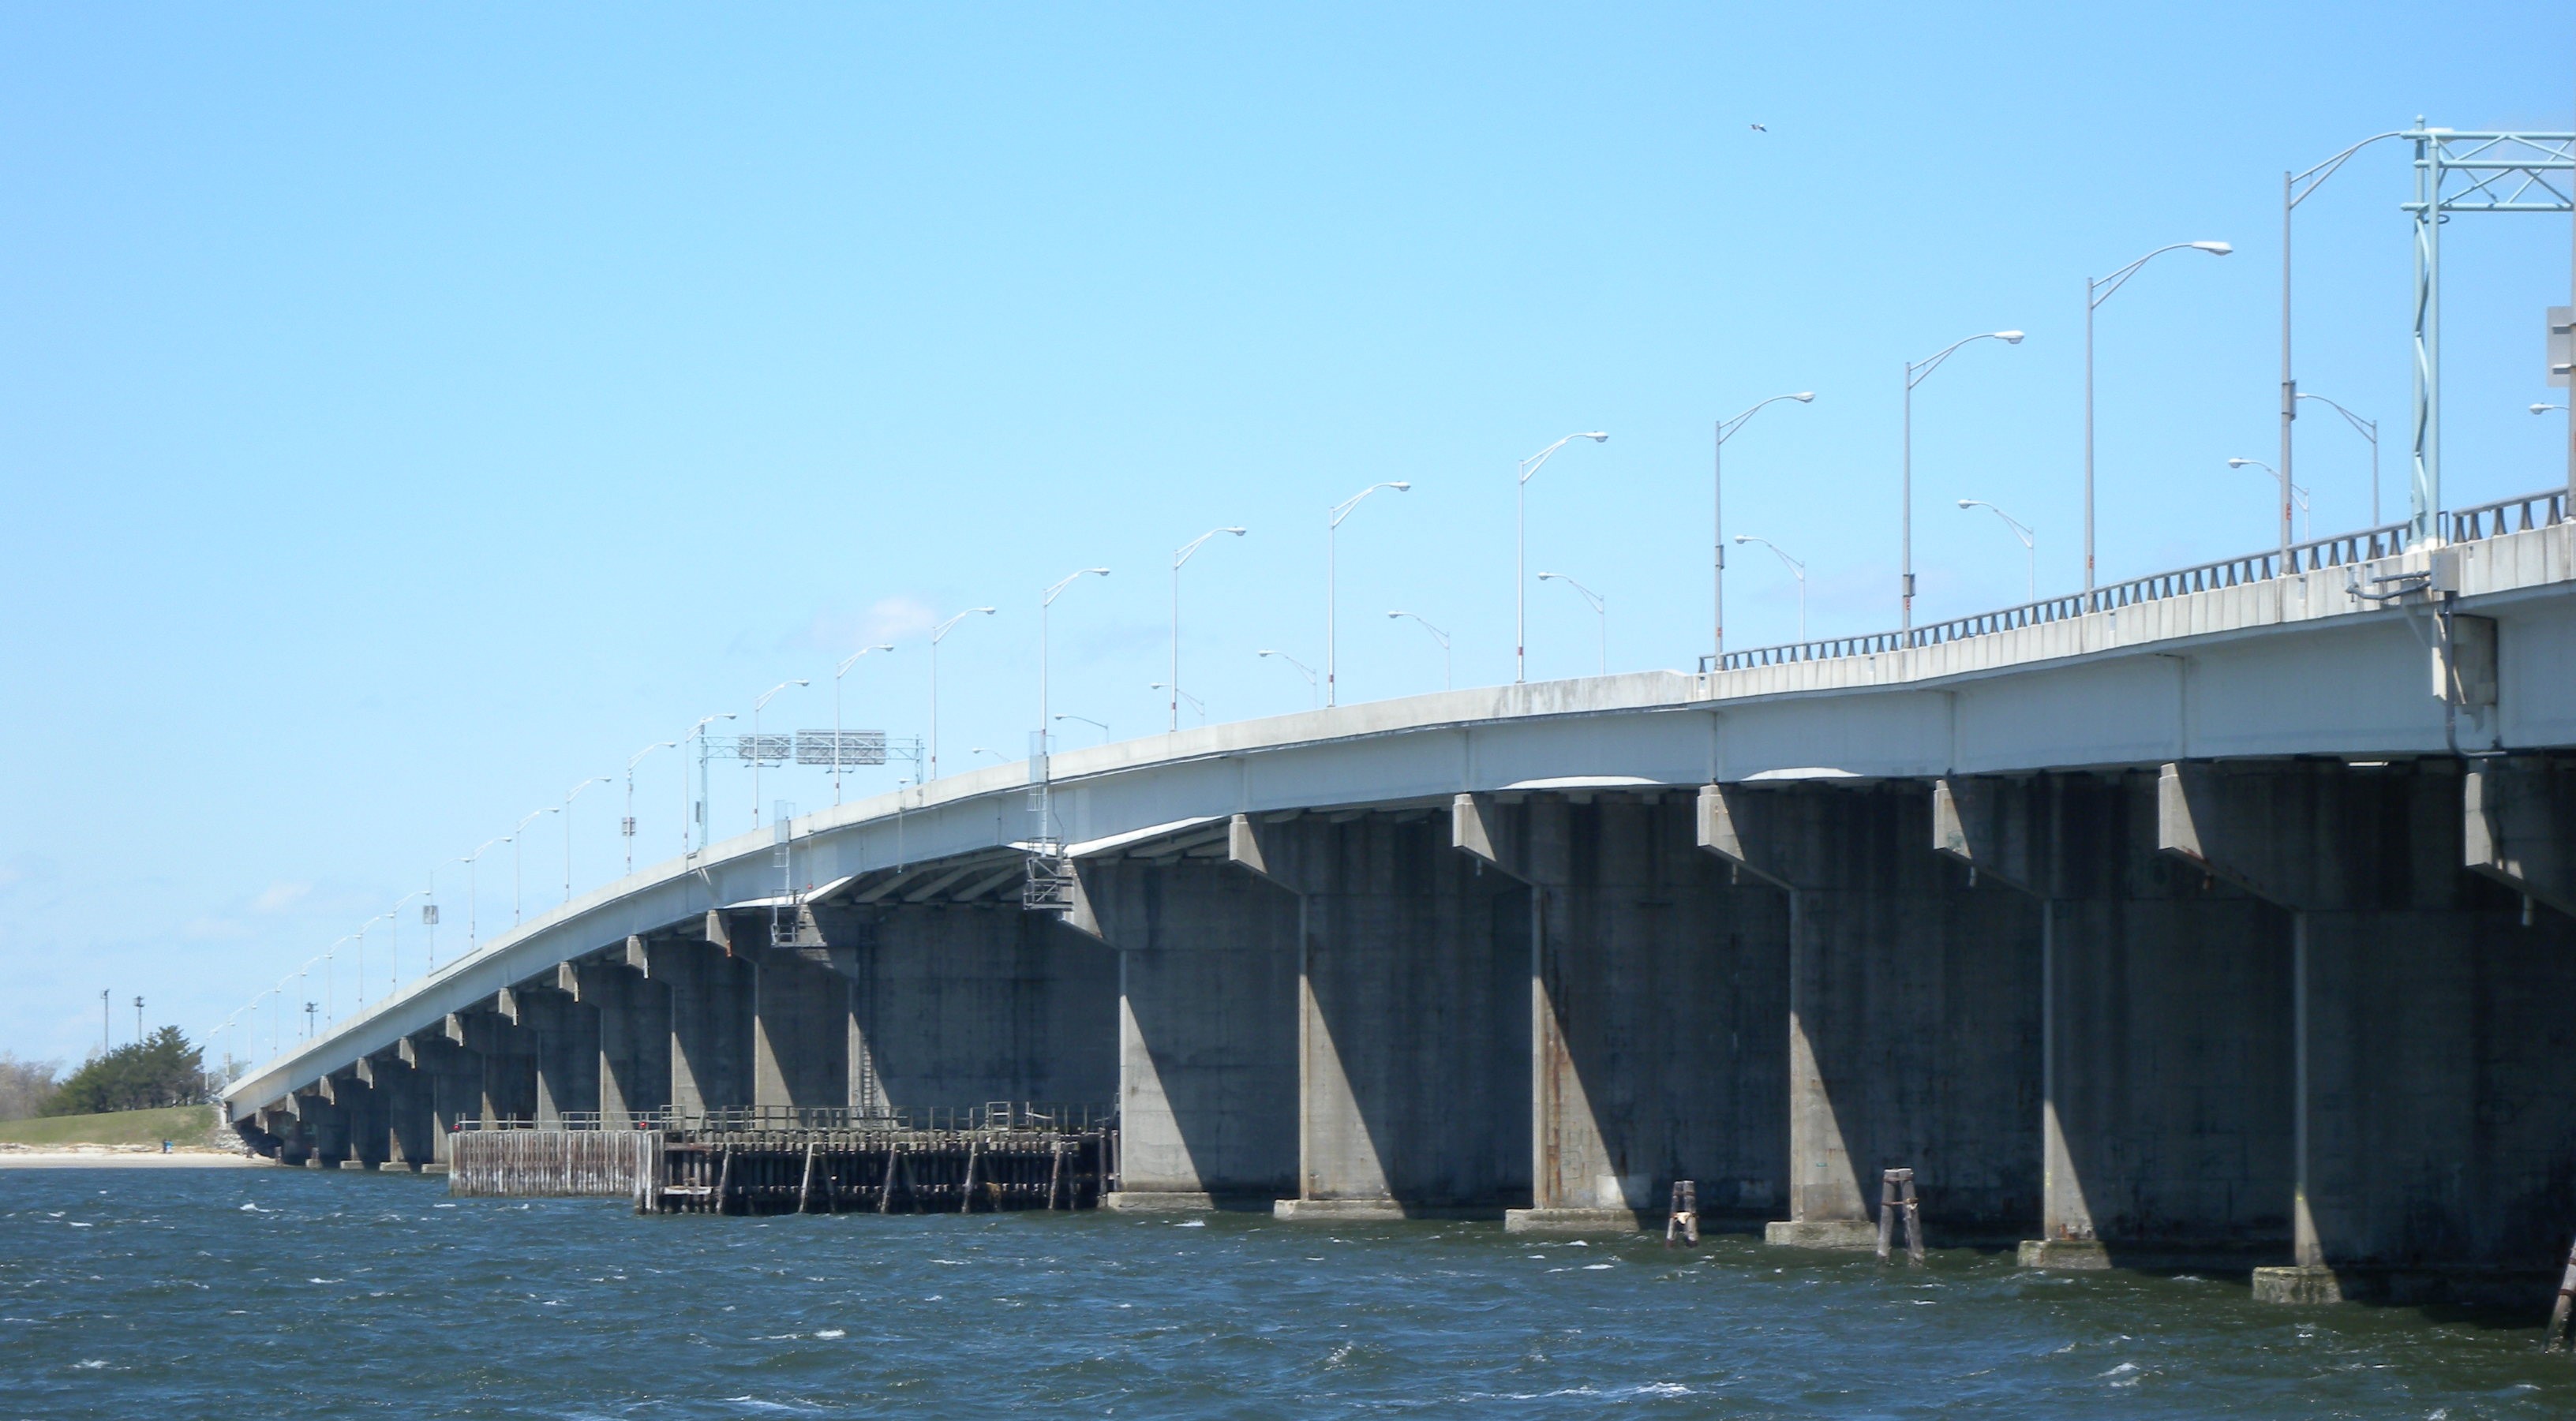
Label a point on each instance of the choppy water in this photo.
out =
(259, 1293)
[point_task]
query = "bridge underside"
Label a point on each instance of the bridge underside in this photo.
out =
(2298, 1015)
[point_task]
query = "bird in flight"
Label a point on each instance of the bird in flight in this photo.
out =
(1760, 129)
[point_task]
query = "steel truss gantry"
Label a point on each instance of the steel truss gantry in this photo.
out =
(2496, 172)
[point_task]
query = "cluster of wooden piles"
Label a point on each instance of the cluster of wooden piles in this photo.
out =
(883, 1171)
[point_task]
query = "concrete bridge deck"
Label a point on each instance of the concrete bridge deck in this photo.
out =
(2228, 924)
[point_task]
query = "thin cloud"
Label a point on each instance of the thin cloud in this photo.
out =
(280, 896)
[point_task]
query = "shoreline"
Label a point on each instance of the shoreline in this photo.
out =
(113, 1157)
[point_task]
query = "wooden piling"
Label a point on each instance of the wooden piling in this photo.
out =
(1895, 1192)
(1683, 1226)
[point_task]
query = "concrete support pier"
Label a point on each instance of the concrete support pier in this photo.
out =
(2434, 1118)
(2165, 1094)
(1208, 985)
(956, 1004)
(1412, 1014)
(1658, 984)
(1913, 1012)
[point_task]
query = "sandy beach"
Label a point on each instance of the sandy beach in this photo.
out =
(124, 1157)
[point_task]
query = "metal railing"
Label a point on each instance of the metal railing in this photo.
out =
(758, 1119)
(2486, 520)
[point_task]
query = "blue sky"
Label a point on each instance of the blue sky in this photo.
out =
(409, 413)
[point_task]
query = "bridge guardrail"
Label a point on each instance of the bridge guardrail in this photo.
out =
(749, 1119)
(2485, 520)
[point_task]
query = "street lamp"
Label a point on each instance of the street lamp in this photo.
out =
(2029, 545)
(1102, 725)
(837, 673)
(1045, 642)
(533, 816)
(362, 957)
(998, 757)
(2095, 293)
(2291, 496)
(473, 899)
(628, 828)
(569, 796)
(331, 982)
(1332, 528)
(1797, 570)
(1180, 556)
(1302, 669)
(393, 949)
(2369, 429)
(2295, 189)
(1717, 509)
(1180, 695)
(1438, 636)
(1916, 372)
(2535, 409)
(939, 634)
(1520, 549)
(1600, 609)
(698, 818)
(760, 747)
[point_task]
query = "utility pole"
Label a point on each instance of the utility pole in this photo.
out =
(102, 1021)
(138, 1021)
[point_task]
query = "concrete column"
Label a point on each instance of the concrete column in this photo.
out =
(285, 1123)
(2436, 1122)
(710, 992)
(801, 1028)
(1658, 988)
(507, 1055)
(1413, 1015)
(2166, 1048)
(961, 1004)
(402, 1094)
(563, 1043)
(361, 1115)
(1914, 1011)
(1207, 960)
(634, 1034)
(452, 1078)
(325, 1130)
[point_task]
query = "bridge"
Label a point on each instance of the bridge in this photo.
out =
(2222, 915)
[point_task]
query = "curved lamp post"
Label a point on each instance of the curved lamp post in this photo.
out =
(1046, 602)
(699, 733)
(2029, 545)
(569, 796)
(1916, 372)
(837, 673)
(1520, 549)
(473, 901)
(1332, 529)
(1797, 570)
(515, 834)
(628, 828)
(2095, 293)
(1717, 505)
(760, 747)
(1438, 636)
(1301, 667)
(1181, 555)
(1600, 610)
(939, 634)
(2292, 496)
(2367, 429)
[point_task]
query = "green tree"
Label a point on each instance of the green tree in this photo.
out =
(160, 1070)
